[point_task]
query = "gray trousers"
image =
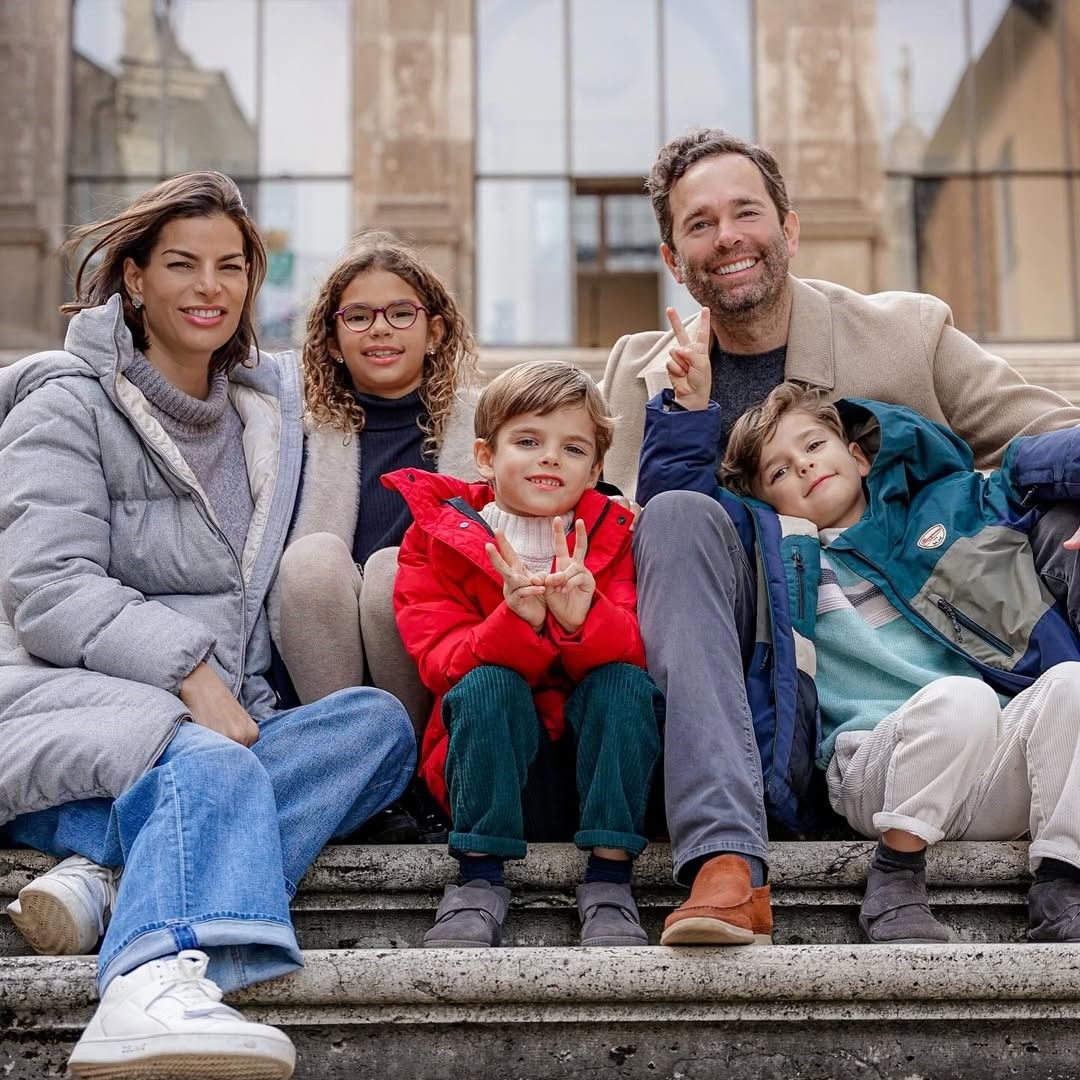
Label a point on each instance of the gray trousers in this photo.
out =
(696, 610)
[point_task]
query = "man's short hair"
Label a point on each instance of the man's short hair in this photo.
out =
(696, 145)
(739, 469)
(542, 386)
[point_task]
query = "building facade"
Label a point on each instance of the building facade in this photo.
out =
(927, 144)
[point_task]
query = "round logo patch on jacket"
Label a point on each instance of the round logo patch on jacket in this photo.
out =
(934, 537)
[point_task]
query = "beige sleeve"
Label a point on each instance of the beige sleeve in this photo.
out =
(626, 398)
(986, 402)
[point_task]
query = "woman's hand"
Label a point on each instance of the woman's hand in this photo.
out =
(212, 705)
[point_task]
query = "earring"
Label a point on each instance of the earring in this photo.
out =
(136, 302)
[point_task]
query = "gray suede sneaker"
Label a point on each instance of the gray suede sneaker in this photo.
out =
(1054, 911)
(609, 915)
(896, 909)
(470, 916)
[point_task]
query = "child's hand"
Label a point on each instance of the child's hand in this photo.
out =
(569, 591)
(688, 366)
(522, 591)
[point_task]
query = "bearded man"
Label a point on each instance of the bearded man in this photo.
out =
(728, 234)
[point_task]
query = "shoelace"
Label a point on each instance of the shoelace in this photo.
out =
(193, 988)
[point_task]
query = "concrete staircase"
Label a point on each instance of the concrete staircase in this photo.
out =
(816, 1005)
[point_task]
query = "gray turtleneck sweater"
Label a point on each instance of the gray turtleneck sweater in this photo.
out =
(210, 437)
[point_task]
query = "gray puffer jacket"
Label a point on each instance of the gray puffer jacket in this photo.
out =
(115, 578)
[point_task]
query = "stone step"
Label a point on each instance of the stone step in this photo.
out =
(962, 1011)
(385, 896)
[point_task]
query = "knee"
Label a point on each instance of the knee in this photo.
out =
(1062, 703)
(686, 514)
(314, 563)
(490, 680)
(365, 720)
(226, 766)
(379, 573)
(490, 695)
(629, 700)
(959, 712)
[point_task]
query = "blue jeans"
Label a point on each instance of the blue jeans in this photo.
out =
(215, 837)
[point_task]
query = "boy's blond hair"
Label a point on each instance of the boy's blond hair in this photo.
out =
(738, 470)
(542, 386)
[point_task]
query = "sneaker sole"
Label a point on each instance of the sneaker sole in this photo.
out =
(706, 931)
(183, 1067)
(46, 924)
(185, 1057)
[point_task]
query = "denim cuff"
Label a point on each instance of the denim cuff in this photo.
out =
(159, 940)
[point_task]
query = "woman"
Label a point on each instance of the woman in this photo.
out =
(149, 471)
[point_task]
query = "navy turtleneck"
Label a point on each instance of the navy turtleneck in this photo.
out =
(391, 440)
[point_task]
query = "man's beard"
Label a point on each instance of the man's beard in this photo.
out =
(742, 300)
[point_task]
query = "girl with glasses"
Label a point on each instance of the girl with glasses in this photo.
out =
(389, 370)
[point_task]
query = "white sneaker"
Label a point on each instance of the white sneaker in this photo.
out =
(165, 1021)
(64, 912)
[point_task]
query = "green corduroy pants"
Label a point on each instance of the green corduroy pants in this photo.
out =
(495, 735)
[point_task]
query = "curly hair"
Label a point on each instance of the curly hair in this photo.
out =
(677, 156)
(328, 390)
(133, 232)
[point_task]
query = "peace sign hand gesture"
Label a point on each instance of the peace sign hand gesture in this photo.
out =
(523, 591)
(688, 364)
(569, 590)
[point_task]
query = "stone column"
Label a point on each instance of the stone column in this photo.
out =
(817, 84)
(35, 45)
(413, 130)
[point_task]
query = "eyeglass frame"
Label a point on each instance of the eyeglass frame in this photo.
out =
(377, 311)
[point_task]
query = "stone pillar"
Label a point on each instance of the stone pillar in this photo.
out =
(817, 83)
(413, 132)
(35, 45)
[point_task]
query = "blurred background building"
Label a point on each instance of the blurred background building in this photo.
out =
(927, 144)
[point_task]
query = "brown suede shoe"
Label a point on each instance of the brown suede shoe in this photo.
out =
(722, 908)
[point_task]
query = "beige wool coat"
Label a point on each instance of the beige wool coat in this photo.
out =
(896, 347)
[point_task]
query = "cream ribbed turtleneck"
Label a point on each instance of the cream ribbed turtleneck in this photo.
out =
(530, 537)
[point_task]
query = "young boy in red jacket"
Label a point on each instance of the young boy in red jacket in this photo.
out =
(516, 598)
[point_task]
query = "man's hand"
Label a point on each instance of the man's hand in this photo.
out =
(522, 590)
(688, 364)
(629, 505)
(212, 705)
(1073, 543)
(569, 590)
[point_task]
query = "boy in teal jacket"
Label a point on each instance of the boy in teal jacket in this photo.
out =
(947, 680)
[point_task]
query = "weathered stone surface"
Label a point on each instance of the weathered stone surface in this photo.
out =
(751, 1012)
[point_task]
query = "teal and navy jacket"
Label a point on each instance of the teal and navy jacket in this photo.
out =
(946, 544)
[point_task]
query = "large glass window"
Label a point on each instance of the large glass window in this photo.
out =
(574, 98)
(980, 129)
(265, 97)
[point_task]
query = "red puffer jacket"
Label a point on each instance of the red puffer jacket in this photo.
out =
(448, 599)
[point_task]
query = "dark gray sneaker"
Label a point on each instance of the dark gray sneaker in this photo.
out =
(896, 909)
(470, 916)
(1054, 911)
(609, 915)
